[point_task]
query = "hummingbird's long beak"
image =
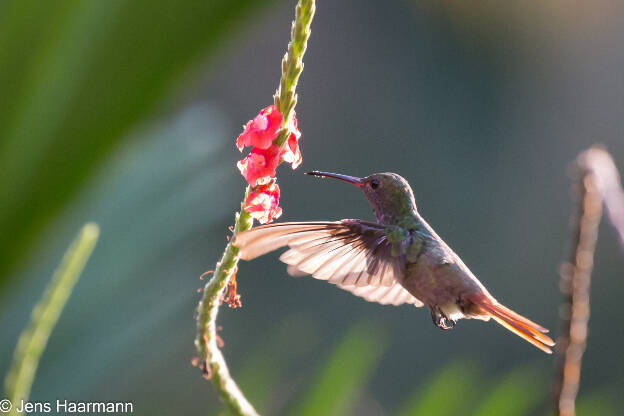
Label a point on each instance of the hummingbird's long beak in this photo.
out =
(353, 180)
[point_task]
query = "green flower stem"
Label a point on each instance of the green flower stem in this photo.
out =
(285, 98)
(34, 338)
(211, 359)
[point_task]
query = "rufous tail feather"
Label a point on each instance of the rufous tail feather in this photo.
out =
(518, 324)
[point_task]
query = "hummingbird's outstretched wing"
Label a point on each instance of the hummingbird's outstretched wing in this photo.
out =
(353, 254)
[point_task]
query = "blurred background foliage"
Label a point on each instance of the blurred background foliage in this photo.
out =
(125, 113)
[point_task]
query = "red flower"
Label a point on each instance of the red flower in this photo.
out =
(290, 151)
(262, 130)
(259, 166)
(262, 203)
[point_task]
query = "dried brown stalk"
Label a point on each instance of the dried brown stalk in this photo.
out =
(596, 182)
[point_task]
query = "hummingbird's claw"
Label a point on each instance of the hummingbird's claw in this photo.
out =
(441, 320)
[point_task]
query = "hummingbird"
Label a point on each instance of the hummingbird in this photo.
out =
(399, 259)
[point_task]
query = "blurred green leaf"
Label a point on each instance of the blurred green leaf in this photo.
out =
(263, 370)
(449, 392)
(75, 76)
(599, 403)
(348, 368)
(131, 314)
(515, 395)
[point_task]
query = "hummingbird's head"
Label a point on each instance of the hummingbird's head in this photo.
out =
(388, 194)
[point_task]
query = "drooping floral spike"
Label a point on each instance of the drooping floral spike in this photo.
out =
(262, 130)
(259, 166)
(263, 203)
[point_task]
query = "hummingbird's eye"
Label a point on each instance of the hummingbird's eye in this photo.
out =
(374, 184)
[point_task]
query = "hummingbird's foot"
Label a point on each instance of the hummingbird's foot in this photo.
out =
(441, 320)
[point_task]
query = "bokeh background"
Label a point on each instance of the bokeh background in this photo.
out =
(125, 113)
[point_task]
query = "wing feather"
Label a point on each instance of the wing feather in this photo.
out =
(348, 252)
(266, 238)
(385, 295)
